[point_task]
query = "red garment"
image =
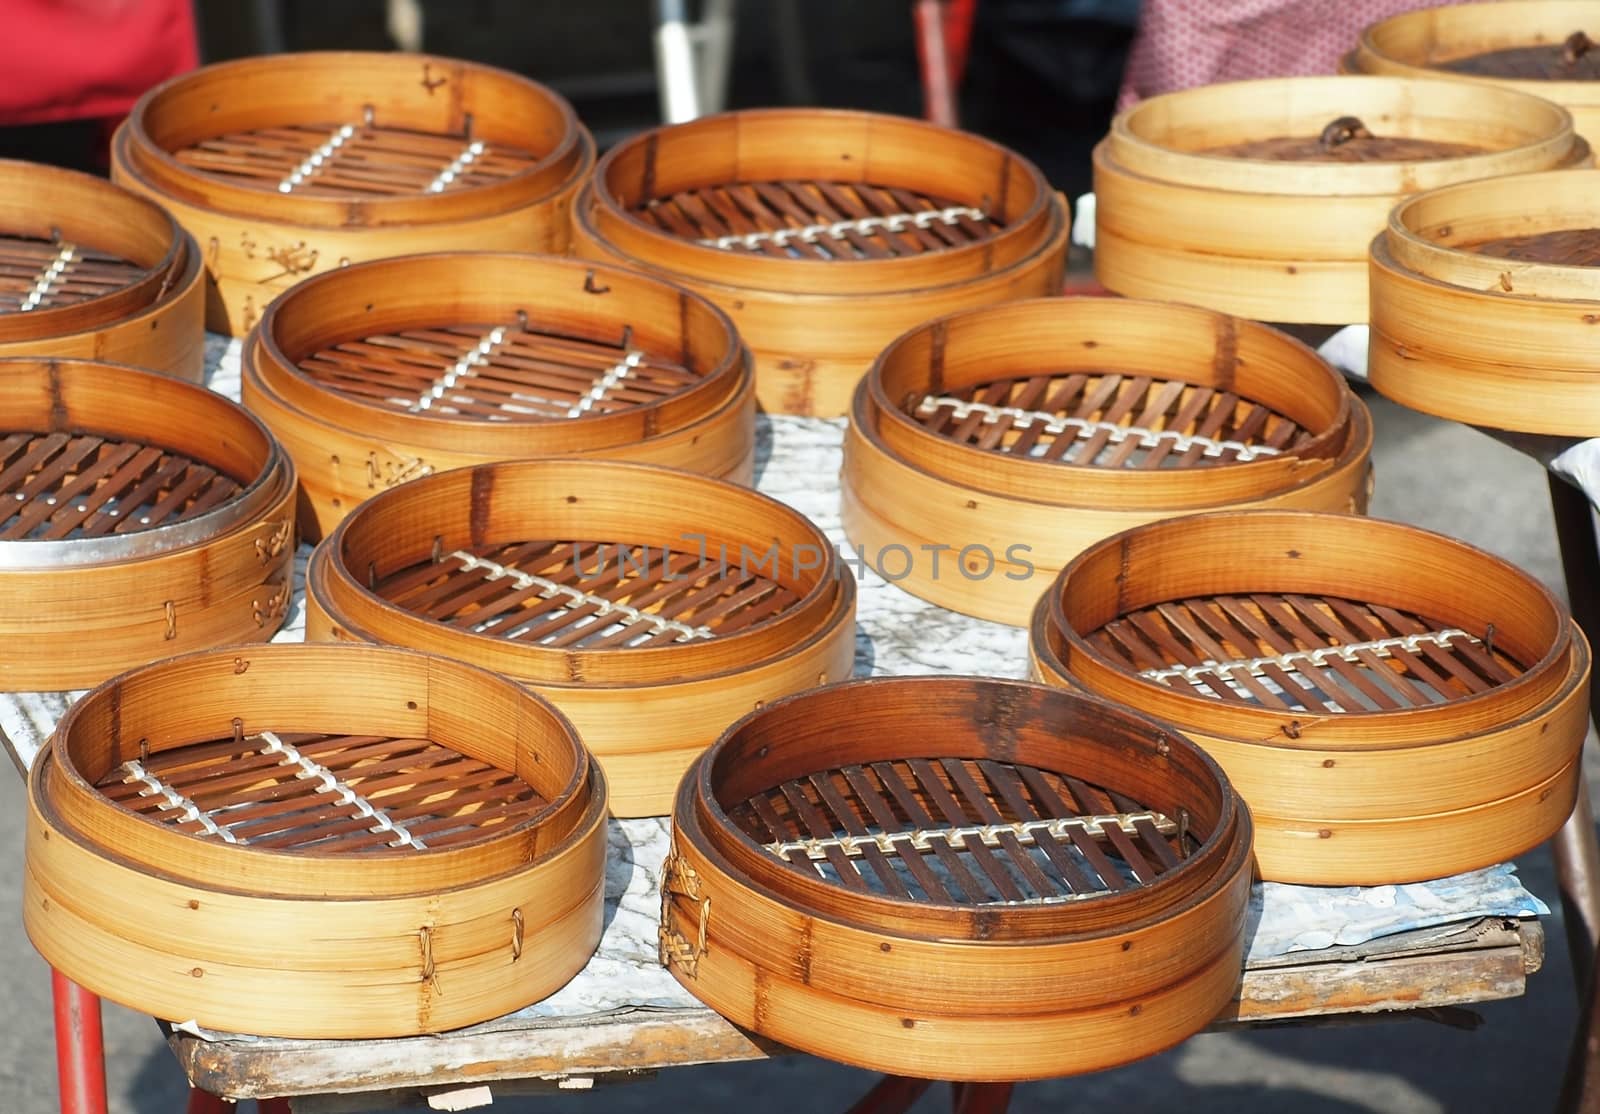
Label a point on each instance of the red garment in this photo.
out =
(79, 59)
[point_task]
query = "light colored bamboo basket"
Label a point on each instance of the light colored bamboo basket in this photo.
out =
(380, 372)
(958, 878)
(90, 271)
(1486, 304)
(653, 607)
(293, 164)
(1394, 705)
(1259, 197)
(315, 841)
(825, 234)
(143, 517)
(988, 448)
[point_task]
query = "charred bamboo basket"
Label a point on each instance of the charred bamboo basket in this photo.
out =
(651, 606)
(377, 373)
(1009, 438)
(825, 234)
(90, 271)
(1395, 705)
(289, 165)
(315, 841)
(1486, 304)
(958, 878)
(1259, 197)
(143, 517)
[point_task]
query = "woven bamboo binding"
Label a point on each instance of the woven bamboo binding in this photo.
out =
(988, 448)
(289, 165)
(1259, 197)
(825, 234)
(315, 841)
(958, 878)
(91, 271)
(1486, 304)
(142, 517)
(653, 607)
(377, 373)
(1394, 705)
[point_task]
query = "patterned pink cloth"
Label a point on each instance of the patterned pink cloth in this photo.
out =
(1184, 43)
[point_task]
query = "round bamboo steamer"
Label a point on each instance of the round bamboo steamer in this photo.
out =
(959, 878)
(1543, 47)
(315, 841)
(380, 372)
(653, 607)
(807, 226)
(294, 164)
(91, 271)
(988, 448)
(1486, 304)
(1395, 705)
(143, 517)
(1259, 197)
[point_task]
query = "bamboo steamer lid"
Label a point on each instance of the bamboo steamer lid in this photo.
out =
(1007, 439)
(88, 270)
(294, 164)
(1395, 705)
(380, 372)
(653, 607)
(143, 517)
(1259, 197)
(825, 234)
(1486, 304)
(958, 878)
(315, 841)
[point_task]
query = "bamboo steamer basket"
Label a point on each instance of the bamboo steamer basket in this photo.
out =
(1395, 705)
(380, 372)
(143, 517)
(1543, 47)
(825, 234)
(958, 878)
(294, 164)
(315, 841)
(1259, 197)
(91, 271)
(1486, 304)
(1009, 438)
(653, 607)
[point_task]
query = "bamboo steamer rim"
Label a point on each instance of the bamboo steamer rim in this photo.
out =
(611, 220)
(421, 278)
(1140, 136)
(321, 80)
(1359, 730)
(824, 593)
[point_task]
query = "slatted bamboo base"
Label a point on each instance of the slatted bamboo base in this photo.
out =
(381, 372)
(1393, 704)
(328, 841)
(957, 878)
(316, 161)
(825, 234)
(653, 607)
(1007, 439)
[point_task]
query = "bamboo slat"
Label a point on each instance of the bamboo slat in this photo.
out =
(143, 517)
(1394, 705)
(653, 607)
(1259, 197)
(380, 372)
(315, 841)
(959, 878)
(295, 164)
(1007, 439)
(825, 234)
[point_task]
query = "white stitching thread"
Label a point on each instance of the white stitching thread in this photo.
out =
(480, 355)
(172, 799)
(1026, 832)
(313, 162)
(49, 276)
(328, 782)
(469, 154)
(605, 384)
(1291, 661)
(840, 229)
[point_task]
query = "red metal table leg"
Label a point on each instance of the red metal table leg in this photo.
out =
(893, 1094)
(80, 1047)
(980, 1098)
(272, 1106)
(203, 1102)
